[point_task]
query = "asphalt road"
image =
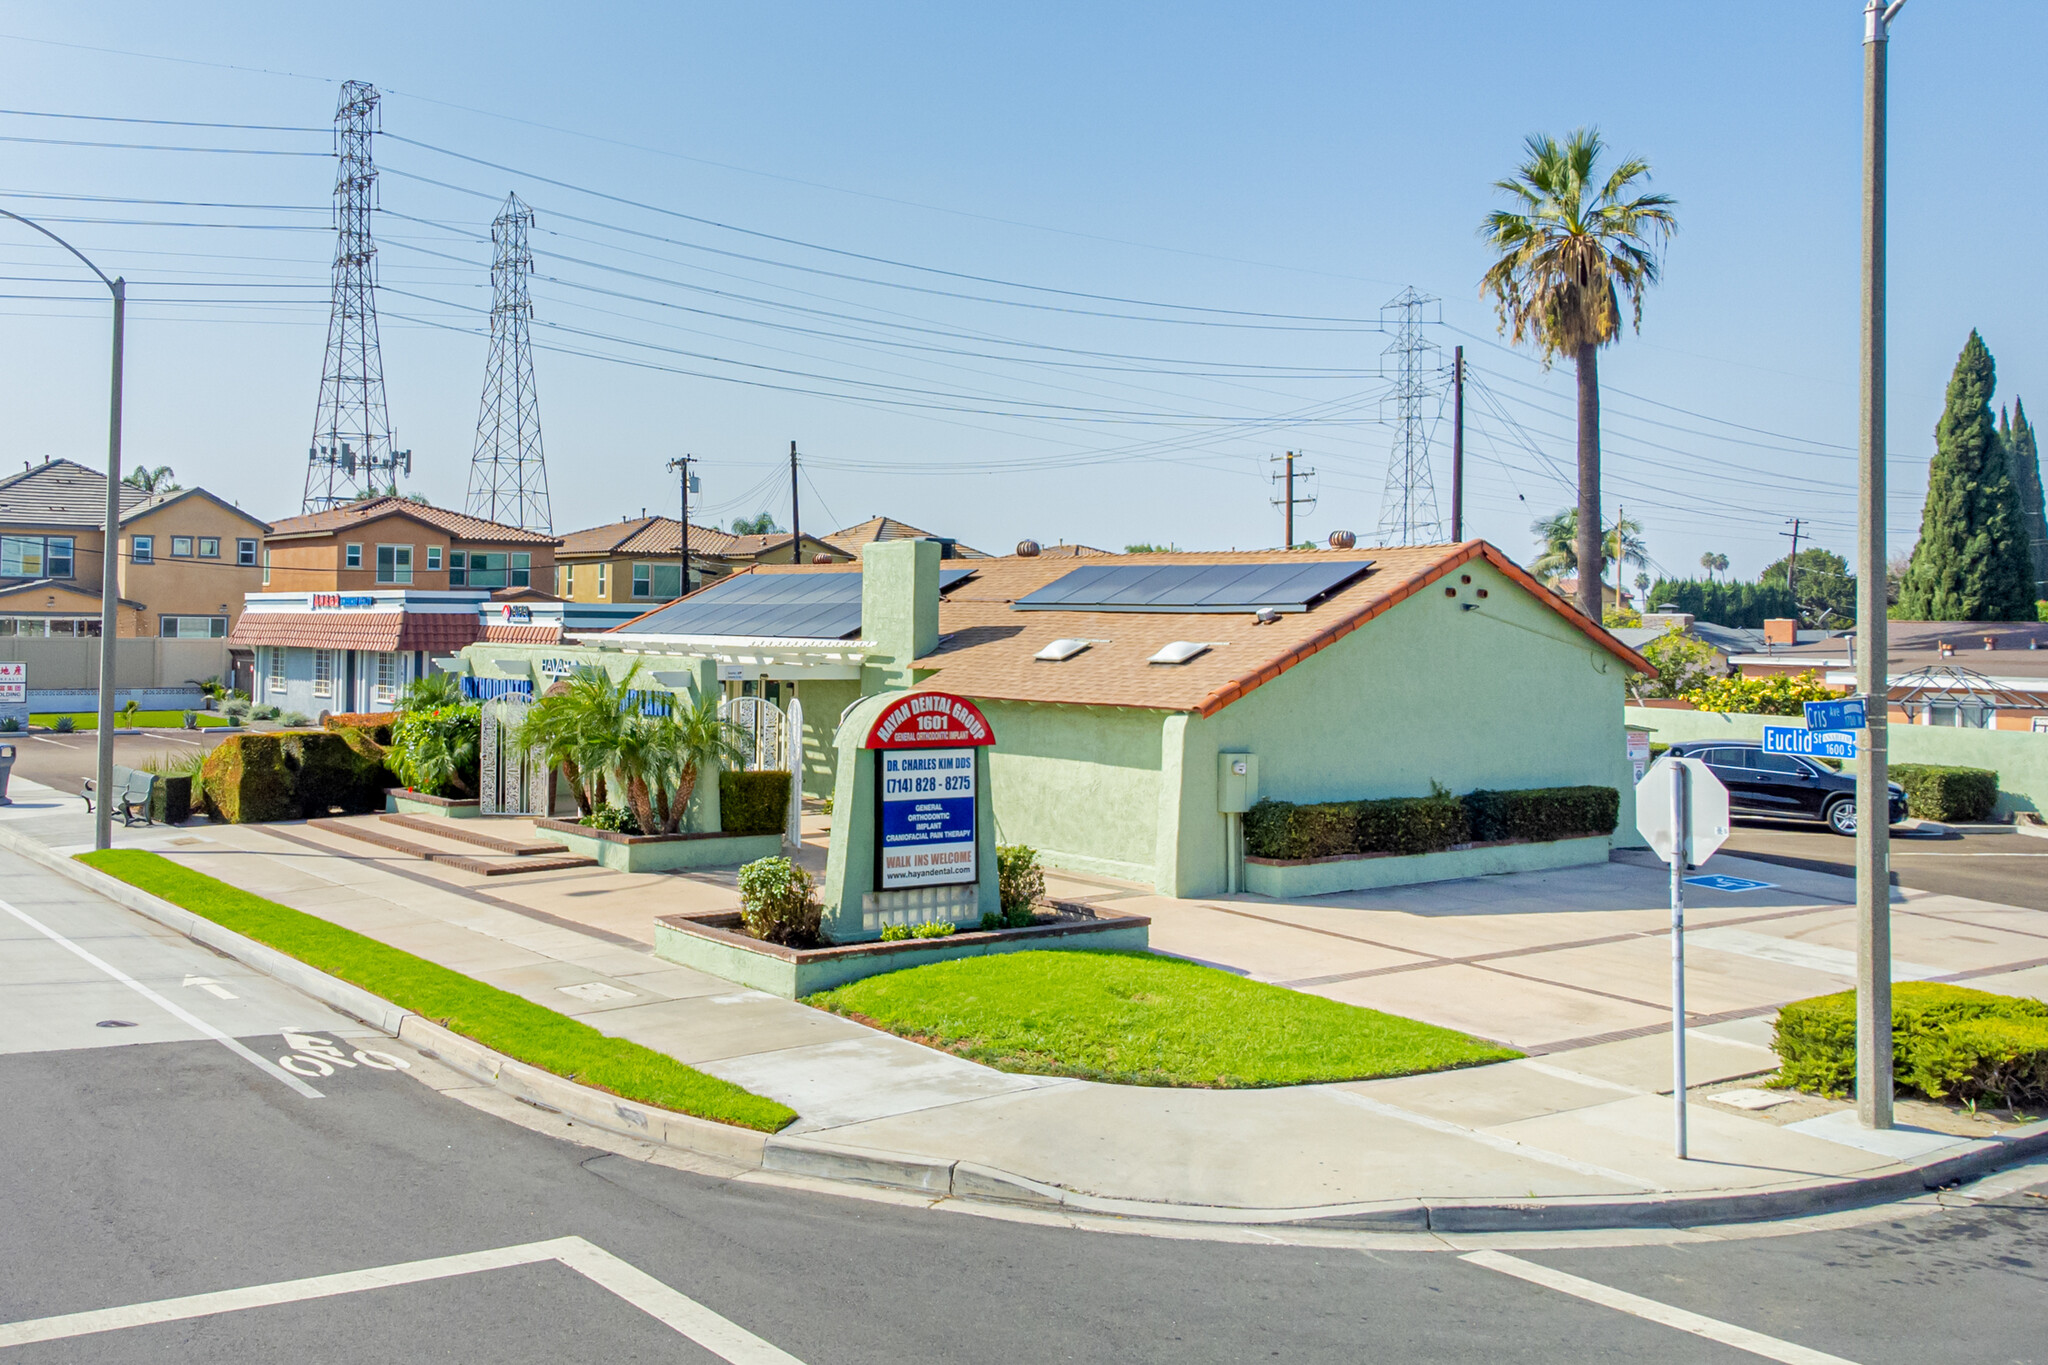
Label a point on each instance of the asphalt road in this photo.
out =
(62, 761)
(142, 1164)
(2011, 869)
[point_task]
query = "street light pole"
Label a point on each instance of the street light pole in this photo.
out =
(1873, 793)
(110, 566)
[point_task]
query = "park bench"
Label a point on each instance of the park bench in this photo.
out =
(131, 796)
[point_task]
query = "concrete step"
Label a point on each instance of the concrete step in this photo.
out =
(503, 866)
(467, 832)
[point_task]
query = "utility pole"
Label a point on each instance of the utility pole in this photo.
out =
(1792, 564)
(1458, 443)
(684, 478)
(796, 520)
(1287, 503)
(1873, 797)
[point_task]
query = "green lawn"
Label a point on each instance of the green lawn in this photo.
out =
(498, 1019)
(1144, 1020)
(146, 720)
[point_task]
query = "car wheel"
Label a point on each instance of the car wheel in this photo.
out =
(1842, 818)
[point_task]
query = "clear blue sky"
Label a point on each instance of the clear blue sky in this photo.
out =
(1307, 160)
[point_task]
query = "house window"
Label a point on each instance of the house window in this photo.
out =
(385, 690)
(276, 669)
(181, 547)
(37, 627)
(266, 566)
(601, 575)
(662, 582)
(433, 559)
(458, 568)
(245, 553)
(352, 556)
(143, 550)
(35, 556)
(192, 627)
(500, 570)
(323, 672)
(394, 563)
(209, 547)
(522, 570)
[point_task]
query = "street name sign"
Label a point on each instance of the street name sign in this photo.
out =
(1849, 713)
(1791, 739)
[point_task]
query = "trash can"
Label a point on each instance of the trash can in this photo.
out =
(6, 767)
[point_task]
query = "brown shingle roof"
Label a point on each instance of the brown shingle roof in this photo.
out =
(888, 528)
(986, 648)
(459, 525)
(644, 536)
(498, 633)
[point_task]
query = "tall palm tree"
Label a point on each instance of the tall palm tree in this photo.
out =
(162, 479)
(1713, 564)
(1570, 248)
(1558, 534)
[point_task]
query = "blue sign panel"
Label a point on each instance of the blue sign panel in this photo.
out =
(927, 817)
(1790, 739)
(1720, 883)
(1846, 714)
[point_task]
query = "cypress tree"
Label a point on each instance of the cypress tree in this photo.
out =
(2025, 461)
(1971, 563)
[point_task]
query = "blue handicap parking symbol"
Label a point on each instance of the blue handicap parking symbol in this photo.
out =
(1719, 883)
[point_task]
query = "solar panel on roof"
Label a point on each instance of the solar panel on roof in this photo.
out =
(1179, 588)
(783, 606)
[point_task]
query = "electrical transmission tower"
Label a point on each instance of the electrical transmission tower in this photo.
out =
(1408, 513)
(351, 455)
(508, 477)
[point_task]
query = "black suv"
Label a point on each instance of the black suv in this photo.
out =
(1787, 786)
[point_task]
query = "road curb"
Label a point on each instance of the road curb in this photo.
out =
(967, 1181)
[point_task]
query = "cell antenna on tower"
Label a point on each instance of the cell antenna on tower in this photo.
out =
(351, 456)
(1408, 514)
(508, 477)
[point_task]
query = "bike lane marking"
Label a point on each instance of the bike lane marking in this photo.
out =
(1713, 1329)
(175, 1010)
(671, 1307)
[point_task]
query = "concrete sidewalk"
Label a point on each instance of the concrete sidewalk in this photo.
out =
(1569, 965)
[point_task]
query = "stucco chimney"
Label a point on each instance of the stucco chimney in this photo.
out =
(899, 608)
(1781, 630)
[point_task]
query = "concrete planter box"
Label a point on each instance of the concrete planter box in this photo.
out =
(716, 944)
(1288, 879)
(661, 852)
(406, 801)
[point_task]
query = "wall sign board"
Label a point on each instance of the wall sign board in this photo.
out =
(928, 817)
(930, 720)
(13, 682)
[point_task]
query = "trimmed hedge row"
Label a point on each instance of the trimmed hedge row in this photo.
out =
(256, 778)
(1938, 792)
(1427, 824)
(377, 723)
(752, 802)
(1947, 1041)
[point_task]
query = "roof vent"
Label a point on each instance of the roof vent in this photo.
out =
(1180, 651)
(1027, 549)
(1342, 540)
(1060, 650)
(821, 558)
(1265, 616)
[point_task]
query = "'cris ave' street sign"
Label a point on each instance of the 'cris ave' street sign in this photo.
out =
(1848, 713)
(1790, 739)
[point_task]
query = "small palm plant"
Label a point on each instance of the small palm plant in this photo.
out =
(431, 693)
(576, 727)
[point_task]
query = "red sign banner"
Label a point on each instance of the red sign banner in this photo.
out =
(930, 719)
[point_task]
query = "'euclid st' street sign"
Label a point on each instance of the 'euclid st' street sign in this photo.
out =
(1791, 739)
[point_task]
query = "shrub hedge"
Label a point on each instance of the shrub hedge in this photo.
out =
(337, 769)
(1938, 792)
(1947, 1041)
(1427, 824)
(752, 802)
(254, 779)
(377, 724)
(247, 781)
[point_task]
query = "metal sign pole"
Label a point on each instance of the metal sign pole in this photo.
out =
(1680, 819)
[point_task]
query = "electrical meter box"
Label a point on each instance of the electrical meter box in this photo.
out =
(1237, 782)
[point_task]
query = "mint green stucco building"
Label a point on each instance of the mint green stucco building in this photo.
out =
(1442, 664)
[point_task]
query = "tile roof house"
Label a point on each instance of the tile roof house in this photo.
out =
(880, 528)
(639, 559)
(1117, 685)
(1974, 674)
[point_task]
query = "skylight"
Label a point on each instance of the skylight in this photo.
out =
(1061, 650)
(1180, 651)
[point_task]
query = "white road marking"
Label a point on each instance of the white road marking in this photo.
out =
(1741, 1338)
(1814, 957)
(678, 1311)
(211, 987)
(176, 1011)
(1493, 1140)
